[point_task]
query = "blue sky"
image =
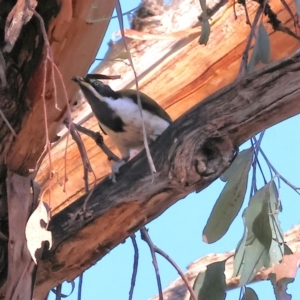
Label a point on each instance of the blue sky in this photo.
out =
(179, 230)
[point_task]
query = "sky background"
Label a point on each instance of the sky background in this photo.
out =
(179, 230)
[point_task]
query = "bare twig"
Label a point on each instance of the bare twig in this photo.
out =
(154, 249)
(48, 145)
(86, 163)
(119, 13)
(49, 54)
(135, 265)
(7, 123)
(98, 138)
(277, 174)
(80, 287)
(145, 236)
(173, 263)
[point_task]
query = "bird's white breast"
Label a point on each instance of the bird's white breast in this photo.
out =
(132, 137)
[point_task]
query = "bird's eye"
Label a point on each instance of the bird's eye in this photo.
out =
(96, 82)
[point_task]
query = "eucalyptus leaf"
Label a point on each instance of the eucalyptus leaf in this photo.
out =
(297, 3)
(231, 198)
(263, 42)
(198, 284)
(261, 226)
(211, 284)
(249, 294)
(203, 7)
(205, 33)
(277, 246)
(251, 255)
(255, 58)
(262, 49)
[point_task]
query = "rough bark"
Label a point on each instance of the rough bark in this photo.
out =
(190, 154)
(176, 73)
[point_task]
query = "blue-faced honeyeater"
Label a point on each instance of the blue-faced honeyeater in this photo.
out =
(119, 117)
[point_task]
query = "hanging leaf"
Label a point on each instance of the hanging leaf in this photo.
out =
(277, 246)
(297, 3)
(36, 231)
(263, 42)
(251, 255)
(231, 198)
(249, 294)
(198, 283)
(261, 226)
(211, 284)
(255, 58)
(205, 33)
(205, 30)
(262, 49)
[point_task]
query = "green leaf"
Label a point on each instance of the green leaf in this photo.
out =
(231, 198)
(277, 246)
(262, 49)
(287, 250)
(297, 3)
(263, 42)
(198, 283)
(205, 33)
(261, 226)
(211, 284)
(249, 294)
(255, 58)
(251, 255)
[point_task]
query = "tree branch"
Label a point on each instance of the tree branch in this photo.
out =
(190, 155)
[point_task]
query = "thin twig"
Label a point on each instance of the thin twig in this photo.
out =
(7, 123)
(98, 138)
(48, 144)
(135, 265)
(80, 287)
(49, 55)
(119, 13)
(296, 189)
(86, 163)
(180, 272)
(145, 236)
(154, 249)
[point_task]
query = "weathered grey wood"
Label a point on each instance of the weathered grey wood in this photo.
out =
(191, 154)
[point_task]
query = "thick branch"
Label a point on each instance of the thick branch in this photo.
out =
(191, 154)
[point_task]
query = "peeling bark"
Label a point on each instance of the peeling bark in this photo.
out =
(21, 268)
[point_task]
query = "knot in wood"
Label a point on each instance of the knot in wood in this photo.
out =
(196, 161)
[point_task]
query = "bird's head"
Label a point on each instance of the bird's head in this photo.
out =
(94, 86)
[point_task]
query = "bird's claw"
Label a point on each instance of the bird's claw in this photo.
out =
(115, 169)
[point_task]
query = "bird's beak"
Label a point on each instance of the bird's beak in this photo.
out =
(77, 79)
(83, 82)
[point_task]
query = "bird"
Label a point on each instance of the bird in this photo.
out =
(119, 117)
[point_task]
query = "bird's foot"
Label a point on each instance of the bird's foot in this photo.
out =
(115, 169)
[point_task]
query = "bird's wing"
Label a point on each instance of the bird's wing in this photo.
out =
(149, 104)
